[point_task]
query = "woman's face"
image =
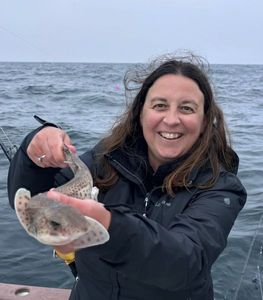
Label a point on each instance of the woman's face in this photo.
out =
(172, 118)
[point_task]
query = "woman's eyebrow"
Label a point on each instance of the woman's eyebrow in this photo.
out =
(158, 99)
(190, 101)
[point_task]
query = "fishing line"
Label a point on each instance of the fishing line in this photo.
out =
(246, 263)
(260, 283)
(24, 40)
(259, 272)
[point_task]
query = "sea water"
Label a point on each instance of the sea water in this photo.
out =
(85, 99)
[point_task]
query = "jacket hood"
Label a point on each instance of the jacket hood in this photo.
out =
(235, 162)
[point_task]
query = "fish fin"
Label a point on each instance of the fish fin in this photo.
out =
(96, 235)
(22, 198)
(94, 193)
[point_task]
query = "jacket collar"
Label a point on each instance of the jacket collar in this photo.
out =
(132, 161)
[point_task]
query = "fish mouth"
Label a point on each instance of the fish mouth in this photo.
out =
(170, 135)
(55, 240)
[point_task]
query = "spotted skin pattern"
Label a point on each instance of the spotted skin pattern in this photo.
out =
(54, 223)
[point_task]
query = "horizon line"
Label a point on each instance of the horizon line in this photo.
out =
(108, 62)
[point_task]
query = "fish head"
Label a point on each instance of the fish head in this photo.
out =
(48, 221)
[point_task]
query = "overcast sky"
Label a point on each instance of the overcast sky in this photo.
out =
(223, 31)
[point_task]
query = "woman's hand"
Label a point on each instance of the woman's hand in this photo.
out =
(87, 207)
(48, 143)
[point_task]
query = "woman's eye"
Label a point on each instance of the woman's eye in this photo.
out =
(187, 109)
(159, 106)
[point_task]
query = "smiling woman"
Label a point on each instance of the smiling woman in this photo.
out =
(164, 172)
(172, 118)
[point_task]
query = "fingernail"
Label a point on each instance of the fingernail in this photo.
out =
(71, 148)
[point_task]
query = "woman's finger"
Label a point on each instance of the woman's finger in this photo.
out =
(87, 207)
(80, 205)
(46, 148)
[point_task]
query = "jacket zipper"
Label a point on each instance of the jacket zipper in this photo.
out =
(146, 202)
(141, 185)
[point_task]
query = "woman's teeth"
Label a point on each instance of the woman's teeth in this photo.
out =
(170, 136)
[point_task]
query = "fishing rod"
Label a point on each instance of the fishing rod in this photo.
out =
(6, 145)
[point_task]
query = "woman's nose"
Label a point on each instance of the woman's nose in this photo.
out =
(171, 118)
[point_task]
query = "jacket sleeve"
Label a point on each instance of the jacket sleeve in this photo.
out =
(179, 256)
(24, 173)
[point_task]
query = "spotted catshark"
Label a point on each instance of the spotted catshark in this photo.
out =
(54, 223)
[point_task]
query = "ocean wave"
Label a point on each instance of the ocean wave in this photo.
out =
(86, 99)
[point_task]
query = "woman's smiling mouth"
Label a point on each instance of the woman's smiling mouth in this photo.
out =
(170, 135)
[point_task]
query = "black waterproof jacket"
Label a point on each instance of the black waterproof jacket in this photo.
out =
(160, 247)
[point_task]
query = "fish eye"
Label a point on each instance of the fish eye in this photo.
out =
(55, 224)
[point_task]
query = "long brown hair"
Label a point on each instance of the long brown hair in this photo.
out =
(213, 146)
